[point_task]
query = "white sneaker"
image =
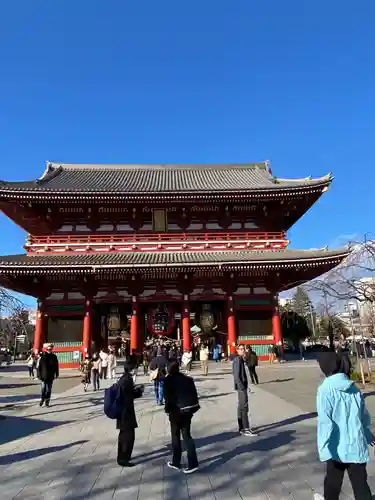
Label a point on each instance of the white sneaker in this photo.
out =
(191, 471)
(318, 496)
(171, 466)
(248, 433)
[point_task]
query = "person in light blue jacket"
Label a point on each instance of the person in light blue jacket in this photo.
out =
(344, 429)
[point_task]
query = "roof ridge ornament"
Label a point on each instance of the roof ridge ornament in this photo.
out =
(50, 171)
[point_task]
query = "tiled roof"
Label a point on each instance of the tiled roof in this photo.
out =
(158, 179)
(97, 261)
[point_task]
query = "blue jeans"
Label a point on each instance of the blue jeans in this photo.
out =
(159, 390)
(46, 390)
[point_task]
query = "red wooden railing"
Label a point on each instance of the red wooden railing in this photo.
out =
(152, 238)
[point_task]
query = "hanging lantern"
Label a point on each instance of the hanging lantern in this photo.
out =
(160, 321)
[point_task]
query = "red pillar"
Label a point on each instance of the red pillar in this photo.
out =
(134, 325)
(232, 334)
(87, 329)
(185, 316)
(39, 334)
(276, 326)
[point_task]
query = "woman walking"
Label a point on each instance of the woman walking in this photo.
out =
(112, 365)
(86, 367)
(31, 364)
(96, 371)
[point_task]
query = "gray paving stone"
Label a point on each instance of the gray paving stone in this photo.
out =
(69, 450)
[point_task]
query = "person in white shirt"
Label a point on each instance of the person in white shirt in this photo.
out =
(186, 360)
(96, 371)
(104, 359)
(203, 357)
(112, 364)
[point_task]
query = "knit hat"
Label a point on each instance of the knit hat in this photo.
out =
(331, 363)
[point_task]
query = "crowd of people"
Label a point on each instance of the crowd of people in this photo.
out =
(344, 425)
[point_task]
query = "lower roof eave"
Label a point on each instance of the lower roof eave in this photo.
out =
(92, 269)
(100, 262)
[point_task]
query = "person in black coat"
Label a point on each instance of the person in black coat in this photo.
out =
(176, 394)
(241, 386)
(252, 363)
(127, 422)
(48, 371)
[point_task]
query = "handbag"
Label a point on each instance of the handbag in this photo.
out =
(154, 374)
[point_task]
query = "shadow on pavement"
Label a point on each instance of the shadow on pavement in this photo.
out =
(214, 396)
(287, 421)
(202, 378)
(16, 386)
(199, 443)
(14, 368)
(277, 380)
(9, 401)
(28, 455)
(13, 427)
(264, 444)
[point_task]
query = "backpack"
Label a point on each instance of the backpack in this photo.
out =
(187, 396)
(112, 402)
(254, 359)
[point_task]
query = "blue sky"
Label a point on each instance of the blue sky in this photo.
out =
(195, 81)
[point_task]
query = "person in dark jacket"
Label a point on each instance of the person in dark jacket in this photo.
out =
(48, 371)
(175, 390)
(159, 363)
(252, 363)
(127, 422)
(241, 386)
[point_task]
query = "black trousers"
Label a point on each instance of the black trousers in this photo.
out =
(334, 478)
(103, 373)
(253, 375)
(243, 411)
(125, 445)
(95, 379)
(46, 390)
(181, 426)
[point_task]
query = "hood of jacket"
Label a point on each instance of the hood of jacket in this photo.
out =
(340, 382)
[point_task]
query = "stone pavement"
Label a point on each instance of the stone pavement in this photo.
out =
(68, 451)
(17, 388)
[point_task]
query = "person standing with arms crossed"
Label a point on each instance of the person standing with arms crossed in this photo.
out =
(241, 385)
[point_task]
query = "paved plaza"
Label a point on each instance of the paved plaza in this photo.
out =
(68, 451)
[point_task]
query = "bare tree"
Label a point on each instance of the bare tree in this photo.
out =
(10, 303)
(12, 311)
(353, 279)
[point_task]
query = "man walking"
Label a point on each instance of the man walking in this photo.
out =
(241, 386)
(252, 363)
(181, 402)
(48, 370)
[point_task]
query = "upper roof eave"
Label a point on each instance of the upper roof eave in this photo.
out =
(158, 181)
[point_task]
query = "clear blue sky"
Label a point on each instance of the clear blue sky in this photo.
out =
(195, 81)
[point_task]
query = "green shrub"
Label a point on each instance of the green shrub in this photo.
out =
(355, 376)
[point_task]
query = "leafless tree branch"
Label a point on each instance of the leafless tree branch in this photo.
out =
(346, 282)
